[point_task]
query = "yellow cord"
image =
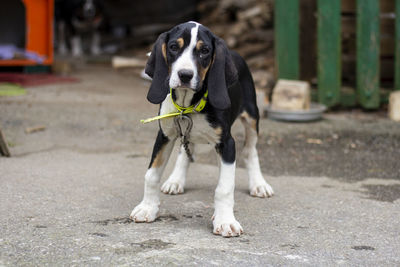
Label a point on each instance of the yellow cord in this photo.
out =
(182, 110)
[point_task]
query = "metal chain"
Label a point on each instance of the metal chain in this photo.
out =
(185, 137)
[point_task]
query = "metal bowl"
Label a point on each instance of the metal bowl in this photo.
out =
(314, 113)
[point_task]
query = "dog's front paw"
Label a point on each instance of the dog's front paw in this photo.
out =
(172, 188)
(144, 213)
(227, 227)
(261, 190)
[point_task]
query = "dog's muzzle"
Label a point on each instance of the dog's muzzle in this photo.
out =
(185, 76)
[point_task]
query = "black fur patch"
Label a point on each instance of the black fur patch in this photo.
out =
(161, 140)
(228, 81)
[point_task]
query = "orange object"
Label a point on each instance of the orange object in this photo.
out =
(39, 32)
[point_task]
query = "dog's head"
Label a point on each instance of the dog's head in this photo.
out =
(86, 13)
(190, 56)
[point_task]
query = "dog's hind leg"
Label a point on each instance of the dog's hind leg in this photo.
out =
(176, 181)
(257, 185)
(95, 45)
(147, 210)
(62, 43)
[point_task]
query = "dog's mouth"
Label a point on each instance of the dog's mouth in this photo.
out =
(183, 96)
(184, 87)
(195, 88)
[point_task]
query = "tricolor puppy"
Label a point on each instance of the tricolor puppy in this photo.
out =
(74, 20)
(195, 74)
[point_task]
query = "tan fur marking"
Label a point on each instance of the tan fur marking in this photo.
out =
(158, 160)
(199, 44)
(203, 72)
(164, 51)
(180, 42)
(218, 131)
(249, 120)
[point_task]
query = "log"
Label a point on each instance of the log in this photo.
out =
(394, 106)
(127, 62)
(4, 151)
(35, 129)
(291, 95)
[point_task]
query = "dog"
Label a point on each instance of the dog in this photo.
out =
(190, 66)
(76, 19)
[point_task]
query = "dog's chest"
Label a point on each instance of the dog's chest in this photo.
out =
(201, 131)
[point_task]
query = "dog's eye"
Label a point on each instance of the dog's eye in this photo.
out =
(204, 50)
(174, 47)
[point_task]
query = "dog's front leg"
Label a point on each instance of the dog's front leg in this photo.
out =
(176, 181)
(224, 221)
(76, 46)
(147, 210)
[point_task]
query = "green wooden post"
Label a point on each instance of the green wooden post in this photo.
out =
(329, 52)
(287, 38)
(368, 53)
(397, 47)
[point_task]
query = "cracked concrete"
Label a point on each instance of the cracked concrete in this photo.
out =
(67, 192)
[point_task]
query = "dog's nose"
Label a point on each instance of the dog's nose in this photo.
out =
(185, 75)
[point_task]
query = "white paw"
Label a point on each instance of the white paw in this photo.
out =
(172, 188)
(227, 227)
(261, 190)
(144, 213)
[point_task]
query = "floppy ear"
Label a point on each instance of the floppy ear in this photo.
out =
(157, 69)
(221, 75)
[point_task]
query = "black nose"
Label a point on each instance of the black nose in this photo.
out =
(185, 75)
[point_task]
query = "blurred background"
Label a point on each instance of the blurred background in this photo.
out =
(73, 92)
(313, 41)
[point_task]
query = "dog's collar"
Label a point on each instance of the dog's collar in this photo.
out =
(182, 110)
(193, 108)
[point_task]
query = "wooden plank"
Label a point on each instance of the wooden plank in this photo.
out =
(397, 48)
(287, 39)
(4, 151)
(348, 96)
(349, 6)
(329, 52)
(387, 30)
(308, 40)
(368, 40)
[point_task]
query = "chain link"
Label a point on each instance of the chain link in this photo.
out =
(185, 136)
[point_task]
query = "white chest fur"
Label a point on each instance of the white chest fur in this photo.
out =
(201, 133)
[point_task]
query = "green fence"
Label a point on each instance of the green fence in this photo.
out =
(329, 69)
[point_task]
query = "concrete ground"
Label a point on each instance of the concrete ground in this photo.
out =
(67, 192)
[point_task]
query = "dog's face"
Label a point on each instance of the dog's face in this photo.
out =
(87, 10)
(189, 52)
(190, 56)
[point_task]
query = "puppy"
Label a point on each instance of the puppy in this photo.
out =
(76, 18)
(192, 67)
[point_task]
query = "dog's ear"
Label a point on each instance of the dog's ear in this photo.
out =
(221, 75)
(157, 69)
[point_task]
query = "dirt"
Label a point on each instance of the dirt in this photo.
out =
(341, 146)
